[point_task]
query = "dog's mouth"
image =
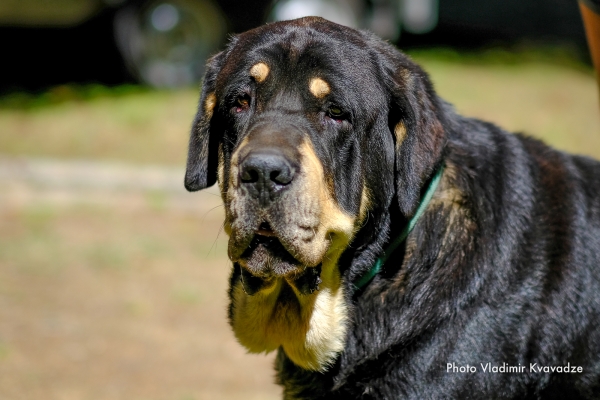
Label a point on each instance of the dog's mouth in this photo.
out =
(266, 258)
(265, 230)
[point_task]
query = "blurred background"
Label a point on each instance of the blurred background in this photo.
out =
(112, 278)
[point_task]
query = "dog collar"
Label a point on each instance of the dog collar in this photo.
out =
(370, 274)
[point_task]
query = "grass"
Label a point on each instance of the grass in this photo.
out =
(138, 127)
(544, 94)
(556, 102)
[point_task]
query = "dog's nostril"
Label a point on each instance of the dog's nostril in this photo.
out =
(250, 175)
(281, 177)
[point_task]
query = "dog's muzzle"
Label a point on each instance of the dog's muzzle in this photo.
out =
(272, 217)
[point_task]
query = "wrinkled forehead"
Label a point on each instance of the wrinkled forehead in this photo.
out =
(291, 53)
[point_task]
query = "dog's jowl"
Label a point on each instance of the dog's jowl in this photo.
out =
(385, 246)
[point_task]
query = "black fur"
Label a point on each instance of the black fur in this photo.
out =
(504, 266)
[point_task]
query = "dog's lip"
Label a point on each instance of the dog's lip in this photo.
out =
(265, 230)
(293, 241)
(273, 258)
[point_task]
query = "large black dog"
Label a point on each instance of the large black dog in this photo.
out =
(385, 246)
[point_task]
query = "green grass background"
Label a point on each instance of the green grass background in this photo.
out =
(541, 94)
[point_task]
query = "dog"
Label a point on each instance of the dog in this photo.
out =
(385, 246)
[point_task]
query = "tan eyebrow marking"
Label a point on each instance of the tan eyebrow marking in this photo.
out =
(259, 71)
(318, 87)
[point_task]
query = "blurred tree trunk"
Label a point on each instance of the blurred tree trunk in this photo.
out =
(590, 11)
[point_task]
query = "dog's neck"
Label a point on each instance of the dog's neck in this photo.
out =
(397, 240)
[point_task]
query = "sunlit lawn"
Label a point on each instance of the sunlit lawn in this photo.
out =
(556, 103)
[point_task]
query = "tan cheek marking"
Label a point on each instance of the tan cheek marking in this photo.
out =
(365, 204)
(229, 197)
(221, 168)
(400, 133)
(233, 167)
(313, 169)
(319, 88)
(259, 71)
(209, 104)
(333, 219)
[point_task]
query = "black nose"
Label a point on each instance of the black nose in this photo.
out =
(266, 173)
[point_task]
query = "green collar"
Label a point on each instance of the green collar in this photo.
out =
(370, 274)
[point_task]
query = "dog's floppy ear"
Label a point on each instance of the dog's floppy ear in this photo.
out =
(417, 123)
(201, 171)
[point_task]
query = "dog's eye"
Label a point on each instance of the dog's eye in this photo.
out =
(335, 112)
(242, 103)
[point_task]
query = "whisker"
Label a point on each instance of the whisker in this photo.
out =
(217, 238)
(206, 213)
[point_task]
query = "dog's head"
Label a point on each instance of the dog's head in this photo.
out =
(311, 129)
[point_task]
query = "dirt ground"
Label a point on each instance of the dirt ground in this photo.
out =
(116, 291)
